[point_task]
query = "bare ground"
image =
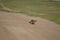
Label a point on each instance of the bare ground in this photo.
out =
(15, 26)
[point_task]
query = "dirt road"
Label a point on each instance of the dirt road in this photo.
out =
(15, 26)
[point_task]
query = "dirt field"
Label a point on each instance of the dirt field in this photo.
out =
(15, 26)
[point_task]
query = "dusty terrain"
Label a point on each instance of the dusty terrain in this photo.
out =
(15, 26)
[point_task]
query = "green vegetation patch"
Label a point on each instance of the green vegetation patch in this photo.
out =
(47, 10)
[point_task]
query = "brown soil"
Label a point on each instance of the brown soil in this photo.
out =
(15, 26)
